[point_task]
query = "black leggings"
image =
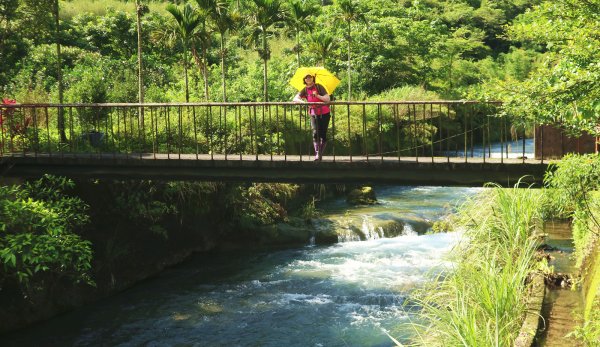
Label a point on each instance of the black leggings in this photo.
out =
(319, 126)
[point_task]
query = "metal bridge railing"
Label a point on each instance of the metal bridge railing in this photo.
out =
(386, 130)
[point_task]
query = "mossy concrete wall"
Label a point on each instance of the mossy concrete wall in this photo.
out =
(532, 315)
(591, 282)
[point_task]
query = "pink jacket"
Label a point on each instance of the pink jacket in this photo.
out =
(307, 94)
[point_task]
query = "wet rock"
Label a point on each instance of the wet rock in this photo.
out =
(540, 255)
(326, 237)
(324, 232)
(284, 234)
(558, 280)
(418, 225)
(287, 234)
(362, 196)
(391, 228)
(547, 248)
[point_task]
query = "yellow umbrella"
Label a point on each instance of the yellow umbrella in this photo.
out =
(322, 76)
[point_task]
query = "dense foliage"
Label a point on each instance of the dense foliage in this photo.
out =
(564, 87)
(373, 46)
(38, 243)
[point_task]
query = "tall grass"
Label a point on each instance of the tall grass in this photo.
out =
(481, 300)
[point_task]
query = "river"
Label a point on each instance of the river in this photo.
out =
(345, 294)
(521, 148)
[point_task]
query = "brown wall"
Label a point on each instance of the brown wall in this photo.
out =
(553, 143)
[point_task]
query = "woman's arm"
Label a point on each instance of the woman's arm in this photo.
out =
(298, 98)
(322, 94)
(324, 98)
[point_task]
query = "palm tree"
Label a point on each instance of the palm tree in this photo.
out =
(298, 20)
(321, 43)
(349, 11)
(188, 22)
(266, 14)
(224, 21)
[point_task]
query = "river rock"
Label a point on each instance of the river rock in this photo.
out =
(391, 228)
(326, 237)
(362, 196)
(284, 234)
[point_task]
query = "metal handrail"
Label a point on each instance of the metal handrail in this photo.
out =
(258, 103)
(232, 130)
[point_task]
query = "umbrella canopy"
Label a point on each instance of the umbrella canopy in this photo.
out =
(322, 76)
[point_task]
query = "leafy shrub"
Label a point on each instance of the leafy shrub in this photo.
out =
(260, 203)
(88, 86)
(573, 189)
(37, 224)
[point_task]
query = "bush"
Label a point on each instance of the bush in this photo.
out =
(88, 86)
(37, 224)
(573, 186)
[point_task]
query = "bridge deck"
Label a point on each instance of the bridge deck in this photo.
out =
(470, 171)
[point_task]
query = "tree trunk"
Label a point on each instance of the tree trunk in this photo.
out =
(298, 47)
(265, 56)
(201, 63)
(349, 66)
(185, 73)
(223, 75)
(61, 116)
(204, 72)
(140, 66)
(450, 71)
(5, 33)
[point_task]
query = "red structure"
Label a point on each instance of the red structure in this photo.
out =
(554, 143)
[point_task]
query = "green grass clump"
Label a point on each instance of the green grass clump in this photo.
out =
(481, 300)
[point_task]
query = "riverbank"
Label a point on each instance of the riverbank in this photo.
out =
(481, 300)
(137, 229)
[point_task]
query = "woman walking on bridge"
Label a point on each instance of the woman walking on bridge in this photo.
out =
(319, 114)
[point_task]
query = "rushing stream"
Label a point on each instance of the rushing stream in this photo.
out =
(341, 295)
